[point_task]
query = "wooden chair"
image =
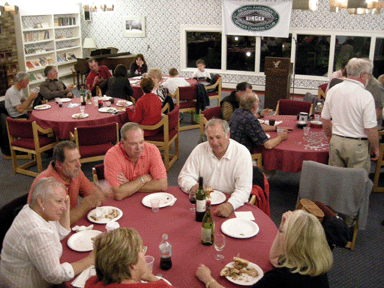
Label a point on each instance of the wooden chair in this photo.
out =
(98, 173)
(215, 89)
(321, 91)
(93, 142)
(27, 136)
(207, 115)
(164, 140)
(316, 185)
(379, 165)
(258, 157)
(186, 100)
(293, 107)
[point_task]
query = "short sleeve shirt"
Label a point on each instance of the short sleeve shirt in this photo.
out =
(13, 98)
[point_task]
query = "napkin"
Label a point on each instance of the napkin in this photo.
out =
(245, 215)
(84, 276)
(82, 228)
(72, 105)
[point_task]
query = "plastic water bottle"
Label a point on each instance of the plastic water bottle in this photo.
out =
(165, 253)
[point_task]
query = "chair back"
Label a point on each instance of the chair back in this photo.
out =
(188, 93)
(98, 172)
(91, 135)
(173, 118)
(212, 113)
(293, 107)
(20, 128)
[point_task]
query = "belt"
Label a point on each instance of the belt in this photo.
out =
(363, 138)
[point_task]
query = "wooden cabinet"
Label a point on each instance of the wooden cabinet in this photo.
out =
(48, 39)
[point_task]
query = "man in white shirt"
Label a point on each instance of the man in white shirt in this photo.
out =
(224, 164)
(175, 82)
(349, 116)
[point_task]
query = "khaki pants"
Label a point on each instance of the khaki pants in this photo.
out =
(350, 153)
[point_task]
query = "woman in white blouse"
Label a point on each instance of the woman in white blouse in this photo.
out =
(32, 249)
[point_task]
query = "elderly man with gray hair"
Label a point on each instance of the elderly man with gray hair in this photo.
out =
(349, 118)
(224, 164)
(15, 101)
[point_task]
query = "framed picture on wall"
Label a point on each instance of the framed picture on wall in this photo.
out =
(134, 26)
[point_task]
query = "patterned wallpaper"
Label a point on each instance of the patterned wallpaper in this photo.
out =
(161, 46)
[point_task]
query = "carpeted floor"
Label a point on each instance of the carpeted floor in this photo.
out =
(363, 267)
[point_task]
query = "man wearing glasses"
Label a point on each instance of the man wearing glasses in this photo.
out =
(349, 118)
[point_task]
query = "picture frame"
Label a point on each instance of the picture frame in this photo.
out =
(134, 26)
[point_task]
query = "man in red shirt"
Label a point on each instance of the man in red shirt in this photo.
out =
(97, 75)
(66, 168)
(134, 165)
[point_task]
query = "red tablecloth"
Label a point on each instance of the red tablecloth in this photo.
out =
(137, 92)
(61, 121)
(184, 235)
(289, 155)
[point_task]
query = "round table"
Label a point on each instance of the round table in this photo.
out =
(61, 121)
(289, 155)
(137, 92)
(185, 236)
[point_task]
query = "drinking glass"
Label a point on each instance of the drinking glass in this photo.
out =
(192, 199)
(219, 243)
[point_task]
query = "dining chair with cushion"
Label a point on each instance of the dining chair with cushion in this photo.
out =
(186, 100)
(293, 107)
(260, 191)
(344, 190)
(27, 136)
(379, 165)
(214, 89)
(98, 173)
(169, 125)
(321, 91)
(207, 115)
(93, 142)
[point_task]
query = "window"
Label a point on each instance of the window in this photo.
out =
(274, 47)
(241, 53)
(312, 55)
(347, 47)
(378, 59)
(206, 46)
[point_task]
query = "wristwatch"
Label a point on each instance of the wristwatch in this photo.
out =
(210, 283)
(142, 180)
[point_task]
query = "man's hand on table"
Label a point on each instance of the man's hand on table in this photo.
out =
(283, 136)
(194, 189)
(93, 200)
(224, 210)
(70, 95)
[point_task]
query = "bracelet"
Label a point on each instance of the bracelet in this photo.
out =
(210, 283)
(142, 180)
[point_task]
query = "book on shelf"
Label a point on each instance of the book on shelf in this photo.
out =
(73, 56)
(56, 22)
(36, 63)
(65, 21)
(29, 65)
(45, 25)
(60, 59)
(43, 61)
(68, 57)
(39, 76)
(49, 60)
(32, 77)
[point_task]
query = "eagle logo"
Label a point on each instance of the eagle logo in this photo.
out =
(277, 63)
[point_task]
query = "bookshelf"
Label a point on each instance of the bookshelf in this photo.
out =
(52, 38)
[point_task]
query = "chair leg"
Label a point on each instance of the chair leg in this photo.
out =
(166, 157)
(376, 178)
(351, 244)
(14, 160)
(39, 162)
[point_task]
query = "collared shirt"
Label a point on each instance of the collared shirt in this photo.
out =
(232, 174)
(173, 83)
(246, 129)
(351, 108)
(13, 98)
(79, 185)
(50, 89)
(103, 72)
(116, 161)
(31, 252)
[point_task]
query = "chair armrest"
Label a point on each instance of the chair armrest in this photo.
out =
(158, 125)
(71, 137)
(41, 130)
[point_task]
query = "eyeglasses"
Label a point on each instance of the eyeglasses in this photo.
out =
(144, 249)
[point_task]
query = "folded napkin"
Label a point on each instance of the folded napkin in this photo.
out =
(82, 228)
(245, 215)
(84, 276)
(72, 105)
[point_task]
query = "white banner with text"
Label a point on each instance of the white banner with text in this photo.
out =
(270, 19)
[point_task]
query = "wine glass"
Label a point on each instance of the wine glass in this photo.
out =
(192, 199)
(219, 246)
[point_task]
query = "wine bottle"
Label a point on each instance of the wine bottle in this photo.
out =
(200, 201)
(82, 96)
(208, 227)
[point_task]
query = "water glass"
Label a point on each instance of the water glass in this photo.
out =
(155, 203)
(82, 110)
(108, 103)
(317, 117)
(279, 131)
(150, 260)
(306, 131)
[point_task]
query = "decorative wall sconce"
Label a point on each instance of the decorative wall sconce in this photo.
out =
(357, 7)
(309, 5)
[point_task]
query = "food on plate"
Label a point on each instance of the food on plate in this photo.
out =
(239, 269)
(208, 191)
(112, 214)
(122, 103)
(79, 116)
(120, 109)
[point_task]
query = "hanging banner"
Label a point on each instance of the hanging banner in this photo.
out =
(270, 19)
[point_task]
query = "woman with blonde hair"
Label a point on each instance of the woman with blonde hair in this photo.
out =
(162, 92)
(120, 261)
(300, 254)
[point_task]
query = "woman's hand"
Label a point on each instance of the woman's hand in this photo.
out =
(204, 274)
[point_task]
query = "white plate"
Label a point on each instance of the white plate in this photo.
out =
(80, 116)
(217, 197)
(82, 241)
(107, 110)
(42, 107)
(240, 228)
(105, 98)
(244, 279)
(105, 211)
(133, 82)
(124, 103)
(158, 277)
(64, 100)
(261, 121)
(314, 122)
(165, 199)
